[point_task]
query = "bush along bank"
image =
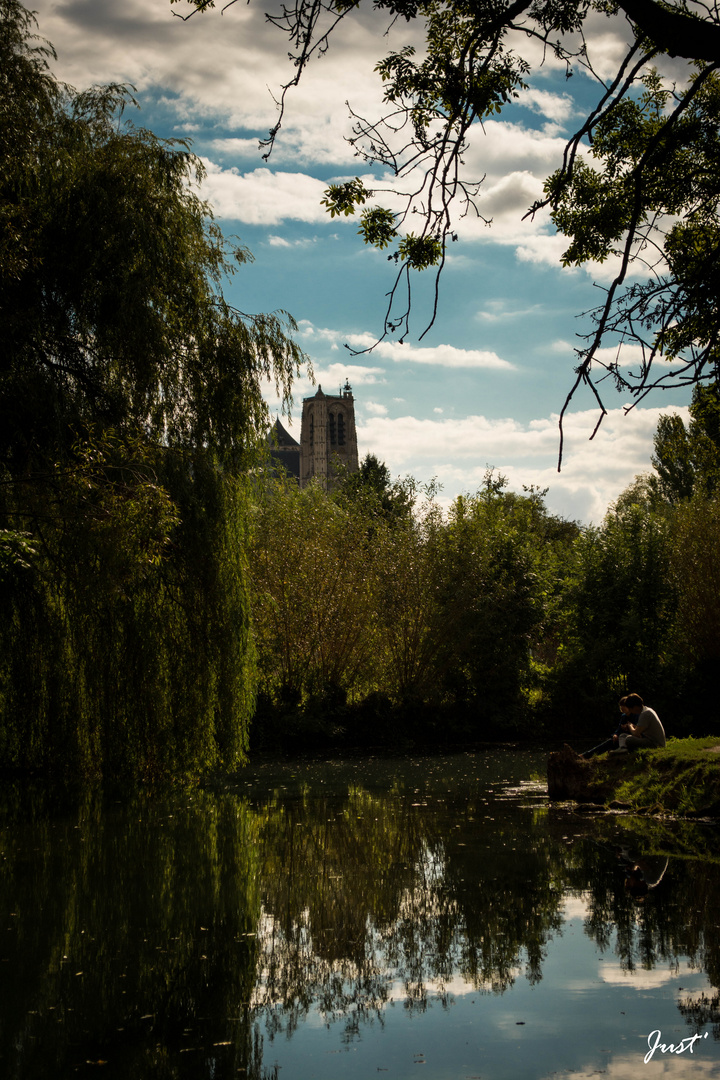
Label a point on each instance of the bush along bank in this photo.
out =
(682, 779)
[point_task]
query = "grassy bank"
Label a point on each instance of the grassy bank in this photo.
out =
(683, 778)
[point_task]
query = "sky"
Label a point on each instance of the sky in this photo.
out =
(484, 387)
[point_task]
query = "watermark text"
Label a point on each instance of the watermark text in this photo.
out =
(670, 1048)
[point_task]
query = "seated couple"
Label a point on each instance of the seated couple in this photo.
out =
(639, 727)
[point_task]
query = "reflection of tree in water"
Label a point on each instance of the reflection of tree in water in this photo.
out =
(171, 939)
(132, 942)
(666, 922)
(369, 898)
(701, 1011)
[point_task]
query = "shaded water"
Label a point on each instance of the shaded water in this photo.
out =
(428, 917)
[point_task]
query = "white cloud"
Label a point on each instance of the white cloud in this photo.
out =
(501, 147)
(511, 195)
(556, 107)
(458, 451)
(576, 907)
(263, 196)
(446, 356)
(280, 241)
(504, 310)
(375, 408)
(543, 248)
(235, 147)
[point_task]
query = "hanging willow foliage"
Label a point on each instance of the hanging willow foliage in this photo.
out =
(130, 404)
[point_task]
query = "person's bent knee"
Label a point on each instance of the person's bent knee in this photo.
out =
(634, 742)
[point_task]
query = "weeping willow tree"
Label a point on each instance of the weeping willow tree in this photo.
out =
(130, 404)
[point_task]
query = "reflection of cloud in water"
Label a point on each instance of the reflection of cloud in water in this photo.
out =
(576, 907)
(639, 978)
(630, 1066)
(455, 986)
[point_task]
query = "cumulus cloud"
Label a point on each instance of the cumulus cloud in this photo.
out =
(558, 108)
(447, 356)
(228, 67)
(501, 146)
(263, 196)
(513, 193)
(616, 975)
(282, 242)
(458, 452)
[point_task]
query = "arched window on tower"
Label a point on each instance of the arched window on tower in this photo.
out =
(341, 429)
(331, 428)
(312, 429)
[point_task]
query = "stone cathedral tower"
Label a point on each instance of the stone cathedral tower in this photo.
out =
(327, 436)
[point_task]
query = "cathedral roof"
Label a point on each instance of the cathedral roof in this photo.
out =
(281, 438)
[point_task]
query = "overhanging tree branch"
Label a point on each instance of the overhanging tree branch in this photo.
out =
(675, 32)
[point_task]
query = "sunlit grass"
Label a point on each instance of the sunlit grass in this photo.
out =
(682, 778)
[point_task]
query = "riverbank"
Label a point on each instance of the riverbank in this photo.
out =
(682, 779)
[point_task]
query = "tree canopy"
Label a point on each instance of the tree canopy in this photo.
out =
(639, 180)
(130, 400)
(687, 459)
(110, 276)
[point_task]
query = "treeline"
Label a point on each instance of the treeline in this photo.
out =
(380, 619)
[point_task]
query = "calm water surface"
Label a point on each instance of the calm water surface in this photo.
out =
(415, 917)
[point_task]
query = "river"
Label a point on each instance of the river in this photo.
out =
(425, 917)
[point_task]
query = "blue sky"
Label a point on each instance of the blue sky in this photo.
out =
(484, 386)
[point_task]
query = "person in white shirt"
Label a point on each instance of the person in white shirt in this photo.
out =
(647, 729)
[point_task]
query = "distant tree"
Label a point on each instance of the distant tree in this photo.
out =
(687, 459)
(372, 482)
(314, 595)
(695, 569)
(639, 179)
(619, 610)
(500, 564)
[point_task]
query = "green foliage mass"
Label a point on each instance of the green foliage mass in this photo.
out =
(365, 607)
(687, 460)
(129, 406)
(642, 608)
(380, 618)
